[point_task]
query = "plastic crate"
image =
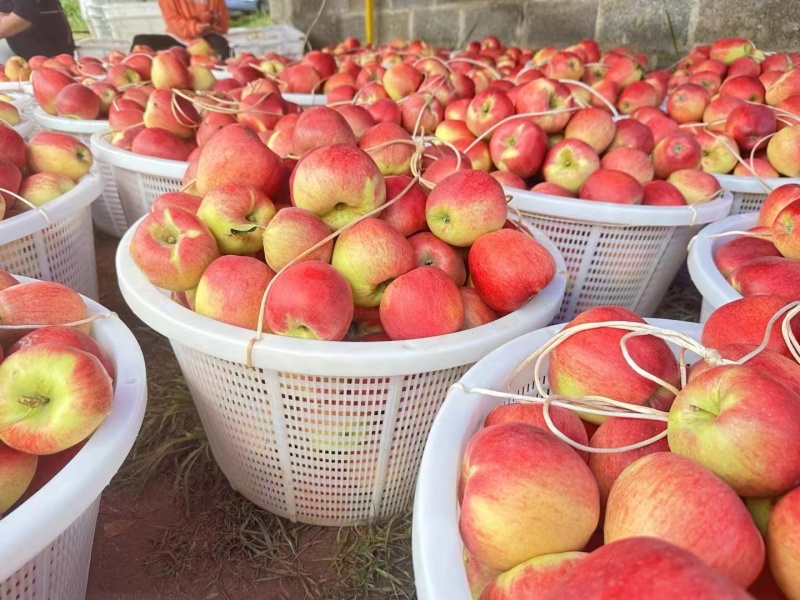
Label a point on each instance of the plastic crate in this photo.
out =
(139, 179)
(107, 211)
(706, 277)
(327, 433)
(46, 544)
(616, 254)
(748, 194)
(62, 251)
(281, 39)
(437, 547)
(24, 103)
(132, 18)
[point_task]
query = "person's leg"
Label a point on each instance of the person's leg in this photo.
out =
(155, 41)
(219, 44)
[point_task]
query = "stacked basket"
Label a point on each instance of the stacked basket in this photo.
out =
(748, 192)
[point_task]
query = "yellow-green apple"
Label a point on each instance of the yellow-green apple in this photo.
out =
(687, 103)
(716, 113)
(175, 114)
(407, 215)
(235, 153)
(606, 185)
(231, 290)
(54, 152)
(782, 151)
(516, 474)
(423, 302)
(543, 95)
(169, 72)
(338, 183)
(718, 152)
(457, 110)
(509, 180)
(749, 89)
(372, 254)
(121, 75)
(321, 126)
(759, 166)
(58, 394)
(675, 152)
(236, 214)
(709, 414)
(401, 80)
(290, 233)
(632, 134)
(66, 336)
(476, 311)
(696, 186)
(17, 69)
(632, 161)
(667, 496)
(787, 85)
(172, 248)
(357, 117)
(161, 143)
(771, 275)
(569, 163)
(575, 370)
(310, 300)
(745, 321)
(741, 250)
(785, 233)
(747, 124)
(533, 578)
(727, 50)
(390, 146)
(487, 109)
(661, 193)
(508, 268)
(16, 473)
(41, 188)
(643, 567)
(46, 85)
(421, 112)
(593, 126)
(552, 189)
(10, 179)
(778, 199)
(465, 206)
(385, 110)
(637, 95)
(616, 432)
(518, 147)
(9, 115)
(565, 420)
(431, 251)
(783, 543)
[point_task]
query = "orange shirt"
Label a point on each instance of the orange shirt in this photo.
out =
(183, 17)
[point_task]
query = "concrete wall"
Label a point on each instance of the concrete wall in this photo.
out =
(643, 24)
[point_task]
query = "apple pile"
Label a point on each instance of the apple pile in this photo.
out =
(56, 385)
(399, 274)
(45, 168)
(684, 515)
(768, 260)
(739, 102)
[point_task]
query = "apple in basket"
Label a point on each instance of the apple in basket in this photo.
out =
(772, 275)
(47, 83)
(783, 543)
(16, 473)
(77, 101)
(407, 215)
(320, 126)
(39, 303)
(9, 115)
(53, 152)
(12, 147)
(392, 159)
(533, 578)
(41, 188)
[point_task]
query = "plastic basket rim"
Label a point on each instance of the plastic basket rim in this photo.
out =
(436, 543)
(148, 165)
(609, 213)
(24, 127)
(751, 185)
(66, 125)
(87, 190)
(21, 100)
(24, 87)
(714, 288)
(305, 99)
(48, 513)
(335, 359)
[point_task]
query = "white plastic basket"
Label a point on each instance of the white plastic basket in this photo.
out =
(25, 87)
(23, 102)
(706, 276)
(107, 211)
(437, 547)
(139, 179)
(62, 251)
(24, 127)
(281, 39)
(748, 193)
(128, 19)
(616, 254)
(327, 433)
(305, 99)
(46, 543)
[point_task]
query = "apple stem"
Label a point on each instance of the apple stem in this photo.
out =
(32, 403)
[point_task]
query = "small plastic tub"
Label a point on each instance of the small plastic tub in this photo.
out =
(748, 193)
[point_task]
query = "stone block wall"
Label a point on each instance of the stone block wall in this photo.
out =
(643, 24)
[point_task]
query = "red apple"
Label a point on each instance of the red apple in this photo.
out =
(518, 147)
(748, 124)
(632, 134)
(742, 250)
(605, 185)
(569, 163)
(476, 311)
(769, 275)
(431, 251)
(676, 152)
(783, 543)
(781, 197)
(632, 161)
(65, 336)
(17, 470)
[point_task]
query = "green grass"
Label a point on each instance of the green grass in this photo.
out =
(256, 19)
(73, 11)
